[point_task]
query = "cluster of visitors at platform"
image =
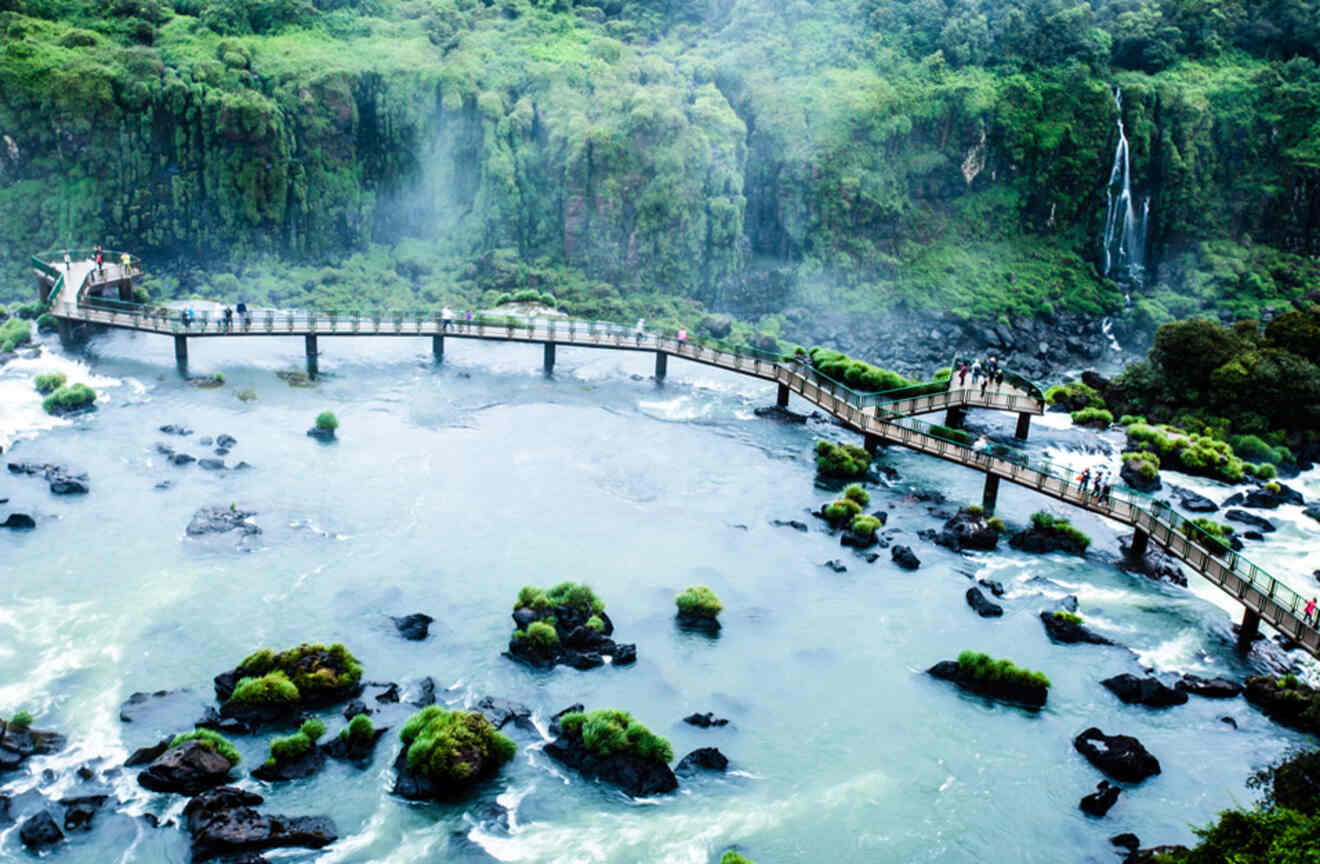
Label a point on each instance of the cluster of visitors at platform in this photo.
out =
(986, 374)
(1096, 485)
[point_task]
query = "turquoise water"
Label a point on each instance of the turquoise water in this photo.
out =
(452, 486)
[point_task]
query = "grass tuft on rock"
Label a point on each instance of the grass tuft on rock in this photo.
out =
(300, 673)
(983, 667)
(1070, 617)
(326, 421)
(845, 461)
(211, 740)
(360, 730)
(1057, 525)
(607, 731)
(273, 688)
(20, 721)
(69, 398)
(855, 492)
(732, 857)
(49, 382)
(443, 745)
(699, 601)
(865, 526)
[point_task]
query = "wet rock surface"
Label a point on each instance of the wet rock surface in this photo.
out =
(702, 759)
(705, 721)
(1098, 802)
(61, 479)
(188, 769)
(223, 822)
(981, 605)
(1144, 691)
(40, 831)
(1209, 688)
(905, 558)
(220, 520)
(1061, 628)
(1006, 691)
(1121, 757)
(636, 776)
(414, 627)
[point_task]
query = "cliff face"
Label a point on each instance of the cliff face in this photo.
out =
(743, 160)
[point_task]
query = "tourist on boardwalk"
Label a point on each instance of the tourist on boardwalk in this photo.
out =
(124, 261)
(446, 317)
(976, 371)
(985, 380)
(242, 313)
(962, 374)
(682, 336)
(999, 378)
(640, 330)
(183, 317)
(1084, 480)
(229, 319)
(100, 262)
(68, 263)
(1310, 611)
(982, 444)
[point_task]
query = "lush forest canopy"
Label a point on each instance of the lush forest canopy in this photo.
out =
(769, 158)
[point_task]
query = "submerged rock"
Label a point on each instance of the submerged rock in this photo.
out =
(1031, 696)
(1122, 757)
(904, 557)
(981, 605)
(1126, 840)
(1064, 628)
(188, 769)
(223, 822)
(181, 459)
(1260, 523)
(702, 759)
(501, 712)
(1155, 564)
(1098, 802)
(218, 520)
(61, 479)
(19, 522)
(1210, 688)
(795, 524)
(705, 721)
(40, 831)
(176, 429)
(836, 565)
(414, 627)
(1144, 691)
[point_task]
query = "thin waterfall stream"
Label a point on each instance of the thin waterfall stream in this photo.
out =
(1125, 231)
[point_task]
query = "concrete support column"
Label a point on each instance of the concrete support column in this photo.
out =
(549, 364)
(871, 442)
(180, 352)
(438, 347)
(309, 342)
(126, 290)
(43, 289)
(991, 493)
(782, 399)
(66, 332)
(1023, 426)
(954, 417)
(1140, 540)
(1247, 633)
(661, 365)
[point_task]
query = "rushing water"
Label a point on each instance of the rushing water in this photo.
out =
(453, 486)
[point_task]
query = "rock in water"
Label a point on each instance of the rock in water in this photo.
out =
(1132, 477)
(1098, 802)
(19, 522)
(414, 627)
(1122, 757)
(1144, 691)
(969, 530)
(637, 776)
(501, 712)
(1064, 629)
(147, 755)
(704, 721)
(307, 763)
(702, 759)
(1194, 502)
(40, 831)
(222, 822)
(218, 520)
(836, 565)
(1260, 523)
(187, 769)
(904, 557)
(1032, 696)
(983, 606)
(1210, 688)
(1126, 840)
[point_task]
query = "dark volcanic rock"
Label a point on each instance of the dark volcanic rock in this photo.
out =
(413, 627)
(625, 654)
(421, 787)
(212, 464)
(226, 441)
(1021, 694)
(501, 712)
(1122, 757)
(1260, 523)
(836, 565)
(1098, 802)
(62, 480)
(324, 435)
(305, 765)
(19, 522)
(995, 588)
(1132, 477)
(187, 769)
(904, 557)
(147, 755)
(702, 759)
(1042, 540)
(218, 520)
(1262, 497)
(18, 745)
(634, 775)
(176, 429)
(40, 831)
(705, 721)
(577, 645)
(1194, 502)
(1293, 704)
(701, 623)
(791, 523)
(1067, 631)
(354, 708)
(1126, 840)
(1155, 564)
(425, 693)
(390, 695)
(774, 412)
(1210, 688)
(1144, 691)
(354, 749)
(981, 605)
(222, 822)
(970, 530)
(181, 459)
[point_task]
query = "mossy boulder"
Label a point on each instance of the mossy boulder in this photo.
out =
(566, 624)
(269, 686)
(1050, 534)
(194, 762)
(997, 679)
(294, 756)
(1286, 701)
(69, 399)
(612, 746)
(698, 609)
(357, 741)
(446, 753)
(1067, 628)
(841, 461)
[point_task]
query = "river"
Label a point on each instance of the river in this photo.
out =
(452, 486)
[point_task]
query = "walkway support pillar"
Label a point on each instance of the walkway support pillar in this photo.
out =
(549, 363)
(871, 442)
(991, 493)
(661, 365)
(66, 332)
(180, 350)
(438, 347)
(1247, 632)
(954, 417)
(1140, 539)
(309, 342)
(782, 399)
(1023, 426)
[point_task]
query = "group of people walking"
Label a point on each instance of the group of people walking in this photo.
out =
(987, 373)
(1097, 485)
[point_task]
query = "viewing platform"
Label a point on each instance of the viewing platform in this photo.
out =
(79, 294)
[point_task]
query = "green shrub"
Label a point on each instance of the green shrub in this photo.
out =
(312, 668)
(47, 323)
(1070, 617)
(312, 728)
(218, 378)
(289, 747)
(273, 688)
(1203, 526)
(1092, 417)
(996, 524)
(1074, 396)
(699, 601)
(865, 526)
(542, 634)
(981, 667)
(596, 623)
(69, 398)
(20, 720)
(1055, 525)
(841, 460)
(1129, 419)
(1265, 471)
(855, 373)
(1253, 449)
(501, 299)
(1144, 462)
(855, 492)
(958, 436)
(606, 732)
(443, 744)
(14, 332)
(49, 382)
(359, 730)
(1273, 488)
(575, 596)
(211, 740)
(732, 857)
(842, 512)
(327, 421)
(976, 511)
(531, 597)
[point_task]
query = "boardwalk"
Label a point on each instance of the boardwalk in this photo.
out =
(880, 418)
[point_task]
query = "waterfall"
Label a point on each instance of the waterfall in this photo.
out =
(1125, 231)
